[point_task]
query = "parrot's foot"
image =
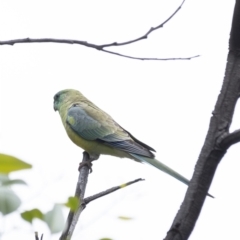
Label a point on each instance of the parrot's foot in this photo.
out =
(86, 163)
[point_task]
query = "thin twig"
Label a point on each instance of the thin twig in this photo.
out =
(103, 46)
(37, 238)
(79, 193)
(108, 191)
(152, 29)
(149, 59)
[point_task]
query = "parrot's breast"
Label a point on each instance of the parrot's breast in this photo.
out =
(93, 147)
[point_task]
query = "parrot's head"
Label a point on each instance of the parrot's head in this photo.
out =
(63, 97)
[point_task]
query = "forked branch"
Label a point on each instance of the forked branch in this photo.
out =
(102, 47)
(217, 141)
(79, 193)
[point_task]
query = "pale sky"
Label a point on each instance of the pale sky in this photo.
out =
(166, 104)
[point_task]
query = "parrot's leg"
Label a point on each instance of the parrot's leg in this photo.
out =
(89, 161)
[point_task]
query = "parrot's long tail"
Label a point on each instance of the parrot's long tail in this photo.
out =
(163, 168)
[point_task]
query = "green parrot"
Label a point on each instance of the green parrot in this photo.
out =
(97, 133)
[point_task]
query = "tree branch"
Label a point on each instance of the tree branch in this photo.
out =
(229, 139)
(73, 217)
(108, 191)
(37, 238)
(103, 46)
(79, 193)
(149, 59)
(217, 141)
(145, 36)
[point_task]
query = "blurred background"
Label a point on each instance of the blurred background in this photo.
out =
(165, 104)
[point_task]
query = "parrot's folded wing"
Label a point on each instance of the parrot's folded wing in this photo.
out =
(92, 124)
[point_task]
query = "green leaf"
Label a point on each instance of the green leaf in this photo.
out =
(124, 218)
(4, 178)
(72, 203)
(6, 181)
(14, 181)
(9, 201)
(105, 239)
(55, 219)
(9, 164)
(31, 214)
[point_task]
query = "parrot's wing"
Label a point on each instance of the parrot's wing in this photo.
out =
(91, 123)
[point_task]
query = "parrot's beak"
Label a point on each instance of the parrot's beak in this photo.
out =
(55, 107)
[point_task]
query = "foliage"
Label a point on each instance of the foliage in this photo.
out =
(10, 202)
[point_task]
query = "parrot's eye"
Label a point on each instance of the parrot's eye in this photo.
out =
(56, 97)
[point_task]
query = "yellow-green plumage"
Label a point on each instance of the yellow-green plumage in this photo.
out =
(97, 133)
(93, 147)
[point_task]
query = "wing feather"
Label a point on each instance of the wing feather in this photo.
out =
(93, 124)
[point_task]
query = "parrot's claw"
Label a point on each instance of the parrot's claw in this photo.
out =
(86, 163)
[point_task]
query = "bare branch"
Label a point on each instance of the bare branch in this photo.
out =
(230, 139)
(152, 59)
(103, 46)
(37, 238)
(217, 141)
(145, 36)
(108, 191)
(51, 40)
(79, 193)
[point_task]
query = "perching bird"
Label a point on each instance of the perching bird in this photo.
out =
(97, 133)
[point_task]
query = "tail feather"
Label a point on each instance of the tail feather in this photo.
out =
(163, 168)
